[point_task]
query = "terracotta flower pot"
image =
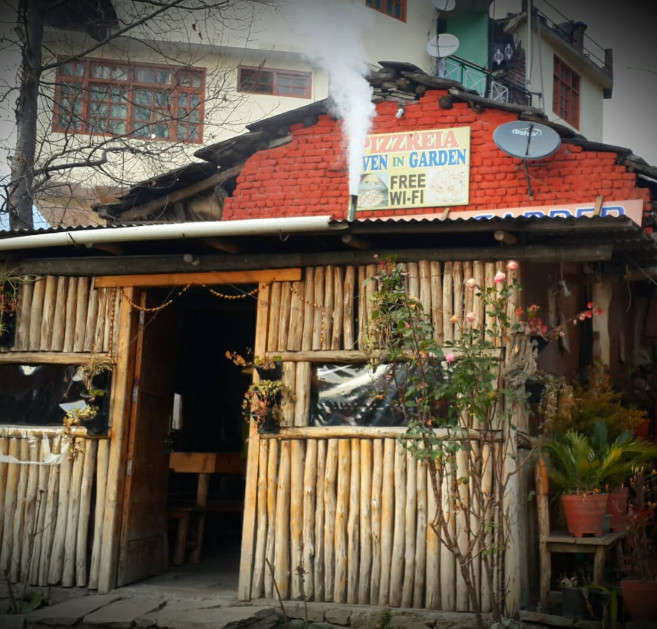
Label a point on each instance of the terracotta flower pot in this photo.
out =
(617, 509)
(584, 513)
(640, 598)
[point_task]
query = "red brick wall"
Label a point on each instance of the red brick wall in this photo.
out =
(308, 176)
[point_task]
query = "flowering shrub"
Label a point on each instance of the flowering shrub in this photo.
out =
(460, 386)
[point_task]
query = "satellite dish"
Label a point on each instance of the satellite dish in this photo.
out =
(527, 140)
(444, 5)
(442, 45)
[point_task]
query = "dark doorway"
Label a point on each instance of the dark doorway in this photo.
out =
(181, 355)
(211, 387)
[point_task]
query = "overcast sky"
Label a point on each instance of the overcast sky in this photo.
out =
(629, 27)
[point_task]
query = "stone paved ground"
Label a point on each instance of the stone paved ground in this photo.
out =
(161, 607)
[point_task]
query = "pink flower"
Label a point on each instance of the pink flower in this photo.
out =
(450, 358)
(471, 283)
(470, 317)
(499, 277)
(512, 265)
(589, 304)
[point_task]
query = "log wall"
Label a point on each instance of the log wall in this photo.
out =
(46, 489)
(65, 314)
(347, 519)
(52, 485)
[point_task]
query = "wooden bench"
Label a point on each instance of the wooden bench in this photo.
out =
(562, 542)
(204, 464)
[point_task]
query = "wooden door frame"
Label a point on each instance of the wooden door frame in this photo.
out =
(120, 407)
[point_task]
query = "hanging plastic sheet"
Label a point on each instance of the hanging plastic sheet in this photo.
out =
(356, 395)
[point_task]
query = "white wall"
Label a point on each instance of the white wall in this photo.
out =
(252, 34)
(590, 92)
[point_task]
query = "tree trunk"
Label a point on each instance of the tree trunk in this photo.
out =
(30, 25)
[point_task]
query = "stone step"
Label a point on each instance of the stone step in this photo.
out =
(72, 611)
(122, 614)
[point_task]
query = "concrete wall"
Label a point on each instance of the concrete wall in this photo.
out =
(590, 91)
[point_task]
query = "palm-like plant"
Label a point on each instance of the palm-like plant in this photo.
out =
(583, 464)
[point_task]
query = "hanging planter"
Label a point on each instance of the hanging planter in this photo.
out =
(262, 404)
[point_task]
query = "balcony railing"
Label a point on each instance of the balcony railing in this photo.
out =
(483, 81)
(563, 26)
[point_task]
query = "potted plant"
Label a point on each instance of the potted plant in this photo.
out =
(575, 470)
(584, 467)
(573, 604)
(640, 588)
(262, 404)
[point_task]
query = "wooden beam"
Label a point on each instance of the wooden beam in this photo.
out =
(355, 242)
(375, 432)
(108, 247)
(146, 209)
(196, 279)
(340, 356)
(149, 264)
(222, 244)
(52, 358)
(506, 238)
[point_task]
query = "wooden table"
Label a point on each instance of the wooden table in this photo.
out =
(562, 542)
(558, 542)
(204, 464)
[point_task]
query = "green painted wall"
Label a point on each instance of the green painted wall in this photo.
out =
(472, 31)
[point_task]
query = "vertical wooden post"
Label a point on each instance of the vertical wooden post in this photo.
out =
(81, 572)
(36, 313)
(19, 514)
(11, 496)
(399, 537)
(348, 307)
(341, 514)
(602, 293)
(259, 566)
(120, 405)
(353, 523)
(421, 535)
(59, 325)
(409, 533)
(329, 517)
(543, 512)
(272, 468)
(377, 483)
(365, 563)
(309, 512)
(101, 484)
(387, 519)
(23, 317)
(71, 314)
(50, 511)
(42, 491)
(47, 319)
(319, 567)
(250, 492)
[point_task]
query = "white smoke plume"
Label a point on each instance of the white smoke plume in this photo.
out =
(330, 34)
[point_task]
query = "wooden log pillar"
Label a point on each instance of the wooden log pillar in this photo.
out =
(602, 294)
(543, 514)
(119, 404)
(250, 492)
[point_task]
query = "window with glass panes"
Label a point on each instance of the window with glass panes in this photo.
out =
(274, 82)
(137, 100)
(565, 100)
(393, 8)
